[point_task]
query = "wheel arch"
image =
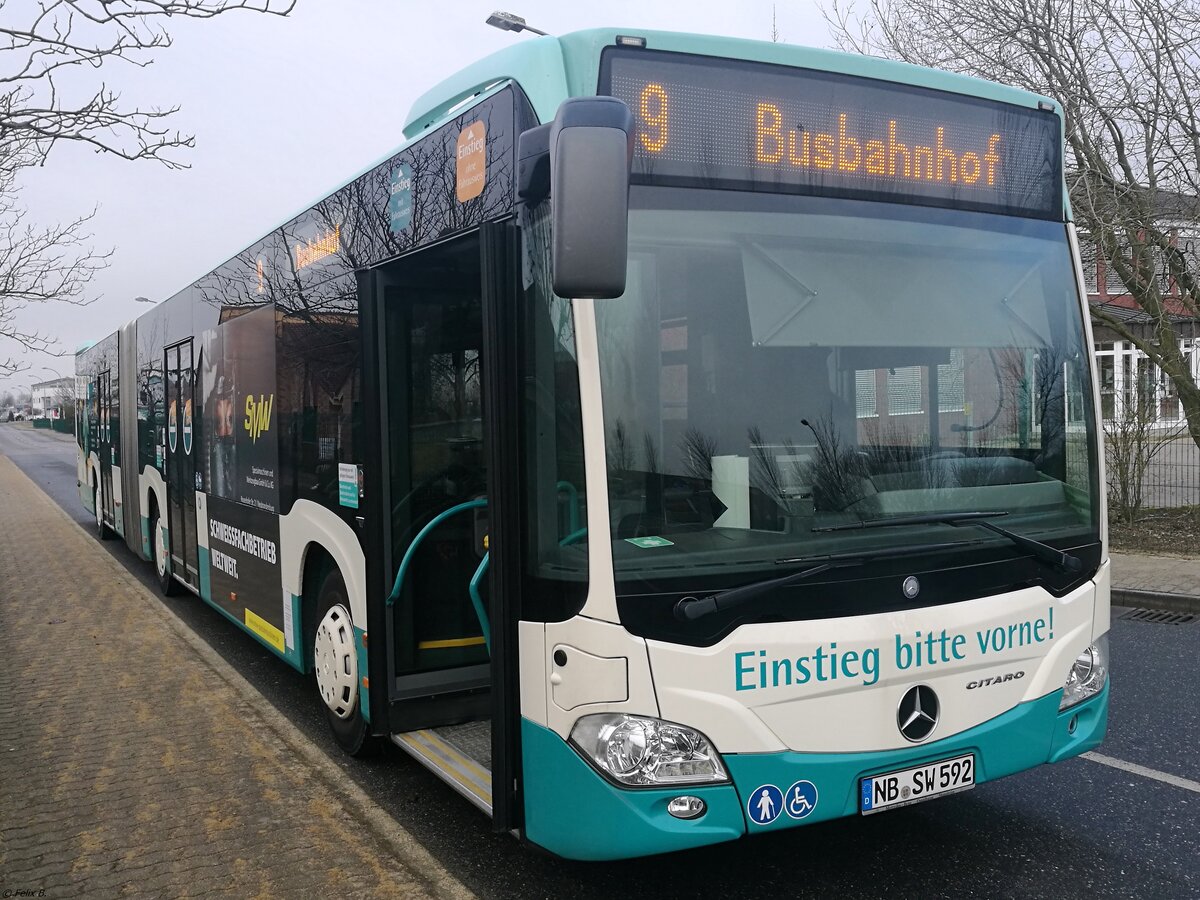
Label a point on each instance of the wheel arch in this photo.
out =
(311, 538)
(153, 491)
(93, 471)
(152, 497)
(316, 563)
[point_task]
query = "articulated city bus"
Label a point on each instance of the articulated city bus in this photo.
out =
(676, 439)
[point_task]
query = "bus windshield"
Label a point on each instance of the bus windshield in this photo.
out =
(781, 364)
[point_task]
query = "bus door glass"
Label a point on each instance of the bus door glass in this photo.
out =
(107, 443)
(433, 321)
(181, 465)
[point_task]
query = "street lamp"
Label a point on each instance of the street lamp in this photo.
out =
(506, 21)
(142, 300)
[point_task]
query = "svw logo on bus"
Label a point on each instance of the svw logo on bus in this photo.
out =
(258, 415)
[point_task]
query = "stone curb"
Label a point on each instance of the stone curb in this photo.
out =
(357, 802)
(1162, 600)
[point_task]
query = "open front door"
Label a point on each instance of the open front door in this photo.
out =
(433, 498)
(502, 397)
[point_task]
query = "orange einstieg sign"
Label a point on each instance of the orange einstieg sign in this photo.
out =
(471, 167)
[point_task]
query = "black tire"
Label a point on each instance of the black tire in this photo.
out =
(350, 729)
(162, 567)
(103, 532)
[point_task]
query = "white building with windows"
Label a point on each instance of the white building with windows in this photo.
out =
(1126, 373)
(51, 399)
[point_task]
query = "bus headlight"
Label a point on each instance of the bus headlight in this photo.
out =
(639, 751)
(1089, 674)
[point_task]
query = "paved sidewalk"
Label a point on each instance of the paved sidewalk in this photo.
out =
(49, 432)
(133, 760)
(1159, 582)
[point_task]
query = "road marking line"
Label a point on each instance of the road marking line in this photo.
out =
(1186, 784)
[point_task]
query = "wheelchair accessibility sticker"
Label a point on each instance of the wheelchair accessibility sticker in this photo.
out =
(801, 799)
(765, 804)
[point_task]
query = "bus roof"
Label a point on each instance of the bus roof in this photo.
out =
(550, 69)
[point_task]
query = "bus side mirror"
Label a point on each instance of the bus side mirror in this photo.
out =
(591, 148)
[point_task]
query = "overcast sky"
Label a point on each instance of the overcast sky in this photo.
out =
(284, 112)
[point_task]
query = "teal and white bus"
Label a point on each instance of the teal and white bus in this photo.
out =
(677, 438)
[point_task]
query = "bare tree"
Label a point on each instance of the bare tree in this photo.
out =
(697, 450)
(64, 398)
(621, 455)
(1127, 74)
(838, 473)
(49, 54)
(1131, 443)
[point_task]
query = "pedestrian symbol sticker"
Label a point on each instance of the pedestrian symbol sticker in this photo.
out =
(765, 804)
(801, 799)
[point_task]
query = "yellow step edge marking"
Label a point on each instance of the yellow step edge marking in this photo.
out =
(429, 742)
(439, 752)
(451, 642)
(265, 630)
(458, 756)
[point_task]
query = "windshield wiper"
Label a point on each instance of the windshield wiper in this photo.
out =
(1043, 552)
(925, 519)
(691, 608)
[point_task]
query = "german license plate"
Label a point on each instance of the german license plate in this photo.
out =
(936, 779)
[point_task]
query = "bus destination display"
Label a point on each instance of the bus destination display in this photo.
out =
(722, 123)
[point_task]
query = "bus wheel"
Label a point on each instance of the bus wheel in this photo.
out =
(162, 557)
(335, 660)
(102, 530)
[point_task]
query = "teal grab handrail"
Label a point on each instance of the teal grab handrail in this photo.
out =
(477, 578)
(412, 548)
(477, 601)
(572, 493)
(482, 568)
(573, 537)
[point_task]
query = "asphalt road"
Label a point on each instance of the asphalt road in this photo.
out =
(1080, 828)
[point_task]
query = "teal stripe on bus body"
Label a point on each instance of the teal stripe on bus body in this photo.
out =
(293, 657)
(1026, 736)
(203, 564)
(360, 646)
(572, 811)
(297, 654)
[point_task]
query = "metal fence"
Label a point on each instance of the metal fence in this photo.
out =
(1172, 477)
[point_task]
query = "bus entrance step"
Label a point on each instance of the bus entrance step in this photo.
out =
(461, 755)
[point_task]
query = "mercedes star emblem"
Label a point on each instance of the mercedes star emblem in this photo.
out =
(917, 716)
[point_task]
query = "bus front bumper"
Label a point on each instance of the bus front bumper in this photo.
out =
(572, 811)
